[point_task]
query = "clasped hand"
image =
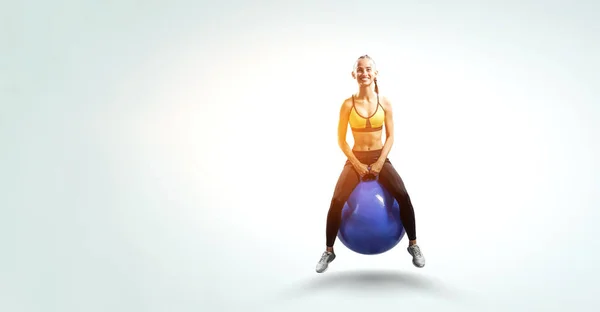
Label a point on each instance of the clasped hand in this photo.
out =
(364, 170)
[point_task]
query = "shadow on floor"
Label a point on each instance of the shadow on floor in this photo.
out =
(370, 282)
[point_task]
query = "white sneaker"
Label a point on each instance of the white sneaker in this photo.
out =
(326, 258)
(415, 252)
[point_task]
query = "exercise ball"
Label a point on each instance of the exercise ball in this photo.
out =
(371, 220)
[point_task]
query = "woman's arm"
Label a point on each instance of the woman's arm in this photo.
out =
(342, 132)
(389, 130)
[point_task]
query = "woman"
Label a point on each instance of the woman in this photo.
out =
(368, 157)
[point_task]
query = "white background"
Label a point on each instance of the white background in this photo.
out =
(181, 155)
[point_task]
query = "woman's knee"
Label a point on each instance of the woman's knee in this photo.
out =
(395, 186)
(346, 183)
(335, 210)
(337, 202)
(400, 194)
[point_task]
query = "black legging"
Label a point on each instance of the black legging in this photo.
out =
(349, 179)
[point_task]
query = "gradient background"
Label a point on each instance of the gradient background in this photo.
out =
(181, 155)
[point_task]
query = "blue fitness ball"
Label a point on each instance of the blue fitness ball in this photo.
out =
(371, 220)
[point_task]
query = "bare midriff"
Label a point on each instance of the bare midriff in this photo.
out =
(367, 141)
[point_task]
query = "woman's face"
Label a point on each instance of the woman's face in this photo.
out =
(364, 72)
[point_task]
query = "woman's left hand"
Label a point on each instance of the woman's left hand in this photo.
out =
(376, 167)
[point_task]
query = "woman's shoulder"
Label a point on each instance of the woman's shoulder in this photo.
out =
(384, 100)
(348, 101)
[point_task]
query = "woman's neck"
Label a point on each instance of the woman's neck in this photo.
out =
(365, 93)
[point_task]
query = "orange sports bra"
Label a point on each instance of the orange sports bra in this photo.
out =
(372, 123)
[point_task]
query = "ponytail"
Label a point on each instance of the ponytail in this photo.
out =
(376, 86)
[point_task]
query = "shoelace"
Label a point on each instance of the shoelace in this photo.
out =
(416, 251)
(324, 256)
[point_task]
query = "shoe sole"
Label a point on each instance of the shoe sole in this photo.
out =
(416, 265)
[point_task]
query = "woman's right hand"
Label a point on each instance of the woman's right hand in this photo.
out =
(362, 169)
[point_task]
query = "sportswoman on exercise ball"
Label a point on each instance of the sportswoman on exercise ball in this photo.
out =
(367, 112)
